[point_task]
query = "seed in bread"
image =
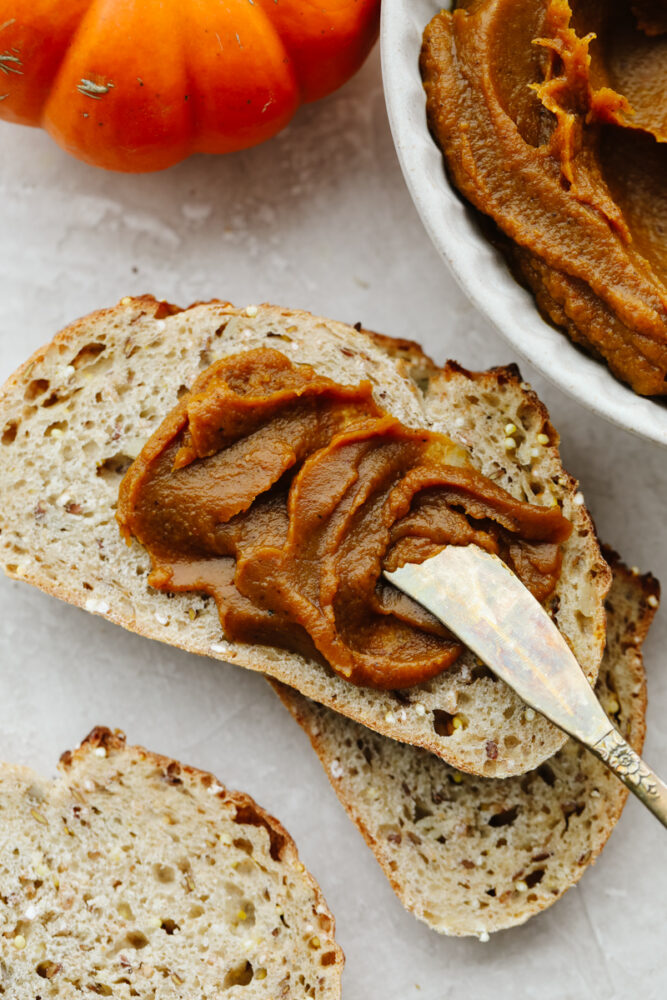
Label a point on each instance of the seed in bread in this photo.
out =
(470, 855)
(79, 411)
(135, 876)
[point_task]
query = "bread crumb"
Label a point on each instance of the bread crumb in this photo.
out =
(219, 647)
(483, 936)
(336, 769)
(97, 606)
(450, 701)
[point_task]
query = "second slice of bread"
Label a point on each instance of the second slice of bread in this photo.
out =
(133, 875)
(469, 855)
(77, 413)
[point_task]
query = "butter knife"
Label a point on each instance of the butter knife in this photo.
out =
(485, 604)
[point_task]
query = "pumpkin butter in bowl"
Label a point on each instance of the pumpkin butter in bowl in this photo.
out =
(552, 118)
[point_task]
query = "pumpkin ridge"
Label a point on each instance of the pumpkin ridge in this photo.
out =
(228, 119)
(35, 37)
(118, 101)
(63, 54)
(327, 42)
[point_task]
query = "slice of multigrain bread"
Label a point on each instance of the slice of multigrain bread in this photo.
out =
(134, 876)
(77, 413)
(470, 855)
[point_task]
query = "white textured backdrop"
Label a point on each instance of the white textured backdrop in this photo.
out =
(318, 218)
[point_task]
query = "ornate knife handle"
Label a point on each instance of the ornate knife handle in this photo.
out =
(620, 758)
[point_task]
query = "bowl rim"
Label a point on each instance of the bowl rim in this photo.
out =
(478, 267)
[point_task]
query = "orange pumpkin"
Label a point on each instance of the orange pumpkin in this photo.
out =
(138, 85)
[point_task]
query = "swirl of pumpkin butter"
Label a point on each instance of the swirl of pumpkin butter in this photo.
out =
(552, 119)
(285, 495)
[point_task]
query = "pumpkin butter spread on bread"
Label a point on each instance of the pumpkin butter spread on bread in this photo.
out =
(132, 875)
(284, 495)
(75, 417)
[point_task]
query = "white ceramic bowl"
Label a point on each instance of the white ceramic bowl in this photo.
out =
(478, 267)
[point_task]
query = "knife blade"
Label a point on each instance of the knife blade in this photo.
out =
(478, 597)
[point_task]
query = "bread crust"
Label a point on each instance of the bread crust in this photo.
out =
(283, 847)
(97, 391)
